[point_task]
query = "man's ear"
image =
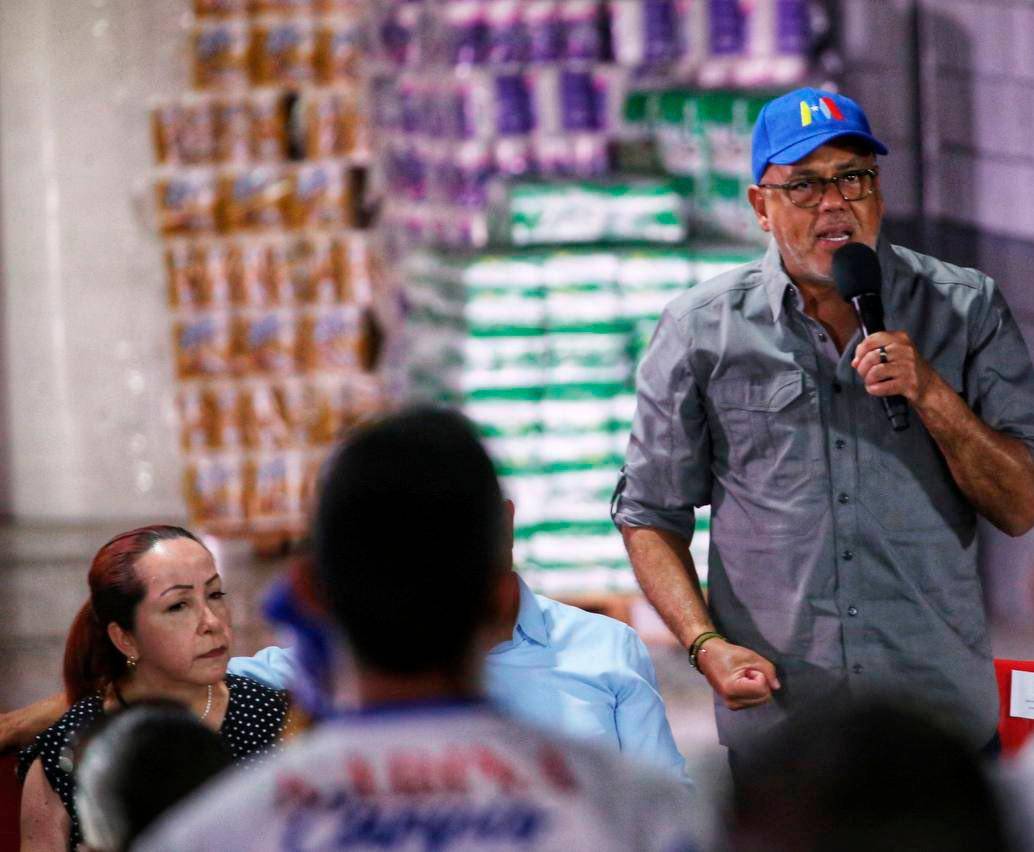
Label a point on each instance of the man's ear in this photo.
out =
(758, 202)
(123, 640)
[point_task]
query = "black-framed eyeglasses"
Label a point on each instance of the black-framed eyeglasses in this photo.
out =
(809, 191)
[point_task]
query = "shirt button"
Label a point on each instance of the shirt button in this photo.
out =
(857, 668)
(843, 499)
(847, 555)
(840, 443)
(837, 387)
(822, 337)
(852, 611)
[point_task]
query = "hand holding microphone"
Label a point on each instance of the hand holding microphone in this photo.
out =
(887, 361)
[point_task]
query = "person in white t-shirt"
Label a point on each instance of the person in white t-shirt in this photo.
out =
(409, 545)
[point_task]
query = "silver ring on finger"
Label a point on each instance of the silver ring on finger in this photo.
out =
(883, 355)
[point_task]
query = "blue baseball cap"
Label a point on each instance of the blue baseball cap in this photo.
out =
(795, 124)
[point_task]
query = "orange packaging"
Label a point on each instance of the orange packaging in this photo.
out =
(190, 406)
(254, 198)
(258, 278)
(318, 198)
(282, 51)
(214, 491)
(317, 269)
(338, 48)
(165, 130)
(261, 7)
(329, 338)
(269, 413)
(265, 342)
(186, 202)
(267, 113)
(273, 488)
(220, 54)
(334, 404)
(202, 344)
(312, 467)
(231, 120)
(197, 274)
(320, 119)
(218, 8)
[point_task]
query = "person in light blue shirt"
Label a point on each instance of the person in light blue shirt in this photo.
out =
(567, 670)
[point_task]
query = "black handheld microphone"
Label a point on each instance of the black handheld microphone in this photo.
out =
(856, 270)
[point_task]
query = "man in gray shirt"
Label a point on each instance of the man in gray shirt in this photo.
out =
(843, 554)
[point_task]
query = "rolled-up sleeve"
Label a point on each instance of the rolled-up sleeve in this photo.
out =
(667, 468)
(999, 375)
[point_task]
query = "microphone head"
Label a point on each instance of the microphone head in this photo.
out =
(856, 270)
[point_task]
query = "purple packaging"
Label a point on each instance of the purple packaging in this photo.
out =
(554, 155)
(398, 32)
(644, 33)
(793, 27)
(727, 28)
(514, 115)
(471, 170)
(410, 104)
(507, 32)
(544, 30)
(515, 156)
(579, 101)
(466, 32)
(660, 32)
(470, 107)
(582, 29)
(590, 155)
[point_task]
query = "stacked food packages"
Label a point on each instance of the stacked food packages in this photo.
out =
(539, 347)
(259, 191)
(464, 91)
(701, 139)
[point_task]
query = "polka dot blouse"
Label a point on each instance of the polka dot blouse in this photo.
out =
(253, 728)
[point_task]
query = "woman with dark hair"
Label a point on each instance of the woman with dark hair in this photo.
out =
(156, 626)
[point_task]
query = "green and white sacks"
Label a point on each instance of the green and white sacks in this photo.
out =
(585, 212)
(539, 348)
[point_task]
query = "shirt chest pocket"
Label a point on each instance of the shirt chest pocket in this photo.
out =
(770, 428)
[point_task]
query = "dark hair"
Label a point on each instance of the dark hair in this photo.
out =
(875, 776)
(91, 660)
(408, 540)
(140, 762)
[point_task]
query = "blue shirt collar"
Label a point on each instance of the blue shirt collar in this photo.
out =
(531, 622)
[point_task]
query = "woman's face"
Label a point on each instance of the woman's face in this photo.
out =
(182, 631)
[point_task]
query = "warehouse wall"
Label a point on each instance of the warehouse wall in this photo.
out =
(84, 346)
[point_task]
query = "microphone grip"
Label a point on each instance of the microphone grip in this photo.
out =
(869, 309)
(896, 409)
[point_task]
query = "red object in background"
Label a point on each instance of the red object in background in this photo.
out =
(1013, 731)
(10, 803)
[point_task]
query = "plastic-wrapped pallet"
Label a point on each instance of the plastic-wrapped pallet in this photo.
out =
(626, 210)
(539, 348)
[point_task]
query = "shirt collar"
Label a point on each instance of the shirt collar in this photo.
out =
(531, 621)
(777, 282)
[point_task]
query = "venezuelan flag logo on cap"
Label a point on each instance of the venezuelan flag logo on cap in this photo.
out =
(826, 108)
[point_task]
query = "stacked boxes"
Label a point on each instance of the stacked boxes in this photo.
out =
(259, 199)
(539, 347)
(703, 138)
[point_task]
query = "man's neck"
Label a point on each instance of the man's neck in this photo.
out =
(376, 688)
(509, 609)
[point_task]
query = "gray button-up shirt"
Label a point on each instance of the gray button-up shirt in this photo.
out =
(841, 550)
